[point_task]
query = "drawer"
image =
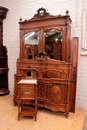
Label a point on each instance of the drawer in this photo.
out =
(26, 86)
(26, 91)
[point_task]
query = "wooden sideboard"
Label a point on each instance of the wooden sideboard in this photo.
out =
(46, 48)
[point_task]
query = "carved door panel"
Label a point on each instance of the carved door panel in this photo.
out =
(57, 94)
(53, 95)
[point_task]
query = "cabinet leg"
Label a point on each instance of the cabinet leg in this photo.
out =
(18, 117)
(35, 117)
(66, 115)
(15, 103)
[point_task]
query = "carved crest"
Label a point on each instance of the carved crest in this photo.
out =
(41, 14)
(41, 56)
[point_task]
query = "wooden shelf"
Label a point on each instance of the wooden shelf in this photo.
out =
(28, 112)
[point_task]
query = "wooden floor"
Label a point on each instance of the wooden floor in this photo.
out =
(46, 119)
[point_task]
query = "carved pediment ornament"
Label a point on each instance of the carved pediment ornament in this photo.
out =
(41, 56)
(41, 14)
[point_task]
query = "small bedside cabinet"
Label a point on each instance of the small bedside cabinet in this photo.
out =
(27, 90)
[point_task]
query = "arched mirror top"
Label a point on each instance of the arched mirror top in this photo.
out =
(31, 38)
(31, 44)
(54, 34)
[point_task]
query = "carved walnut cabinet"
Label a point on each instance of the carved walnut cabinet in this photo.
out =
(46, 53)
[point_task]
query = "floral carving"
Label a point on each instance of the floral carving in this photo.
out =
(41, 56)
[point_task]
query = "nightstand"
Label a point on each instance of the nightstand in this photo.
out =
(27, 90)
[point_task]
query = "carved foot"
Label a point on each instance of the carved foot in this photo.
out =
(18, 117)
(15, 103)
(66, 115)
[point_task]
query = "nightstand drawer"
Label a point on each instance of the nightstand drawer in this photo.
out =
(26, 91)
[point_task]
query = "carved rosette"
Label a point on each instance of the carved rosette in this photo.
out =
(55, 93)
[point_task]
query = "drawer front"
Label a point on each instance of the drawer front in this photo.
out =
(26, 91)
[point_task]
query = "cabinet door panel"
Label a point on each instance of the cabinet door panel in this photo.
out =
(54, 93)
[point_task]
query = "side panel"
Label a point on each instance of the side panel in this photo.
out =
(74, 53)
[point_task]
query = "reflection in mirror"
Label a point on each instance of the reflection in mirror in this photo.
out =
(28, 73)
(31, 44)
(53, 44)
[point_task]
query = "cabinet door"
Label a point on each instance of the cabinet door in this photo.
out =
(53, 95)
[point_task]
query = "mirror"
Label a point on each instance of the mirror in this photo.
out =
(28, 73)
(31, 44)
(53, 44)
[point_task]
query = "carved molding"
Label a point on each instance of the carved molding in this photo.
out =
(74, 74)
(3, 12)
(41, 90)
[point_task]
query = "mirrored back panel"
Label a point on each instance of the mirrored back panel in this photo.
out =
(31, 44)
(53, 44)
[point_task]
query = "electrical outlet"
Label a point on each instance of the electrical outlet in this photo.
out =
(85, 46)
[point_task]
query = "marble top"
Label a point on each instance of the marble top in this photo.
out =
(28, 81)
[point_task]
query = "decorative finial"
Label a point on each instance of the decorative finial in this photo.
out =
(20, 19)
(67, 12)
